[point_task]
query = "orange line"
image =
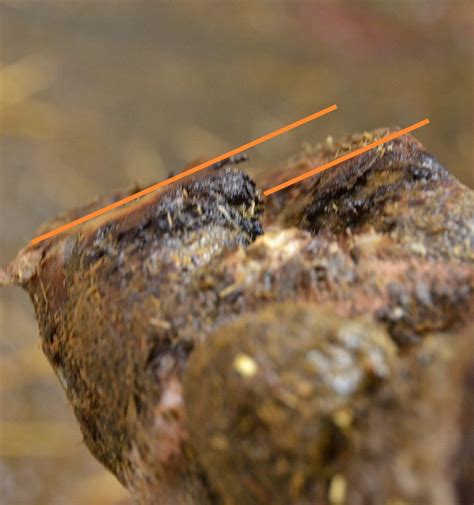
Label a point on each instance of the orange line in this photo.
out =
(183, 174)
(346, 157)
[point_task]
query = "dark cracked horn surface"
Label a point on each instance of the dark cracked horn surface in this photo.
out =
(316, 352)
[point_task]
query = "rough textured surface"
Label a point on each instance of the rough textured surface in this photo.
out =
(398, 189)
(327, 399)
(328, 355)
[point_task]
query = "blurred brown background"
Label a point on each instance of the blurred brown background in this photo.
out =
(97, 95)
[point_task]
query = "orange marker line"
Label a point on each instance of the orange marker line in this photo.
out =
(346, 157)
(183, 174)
